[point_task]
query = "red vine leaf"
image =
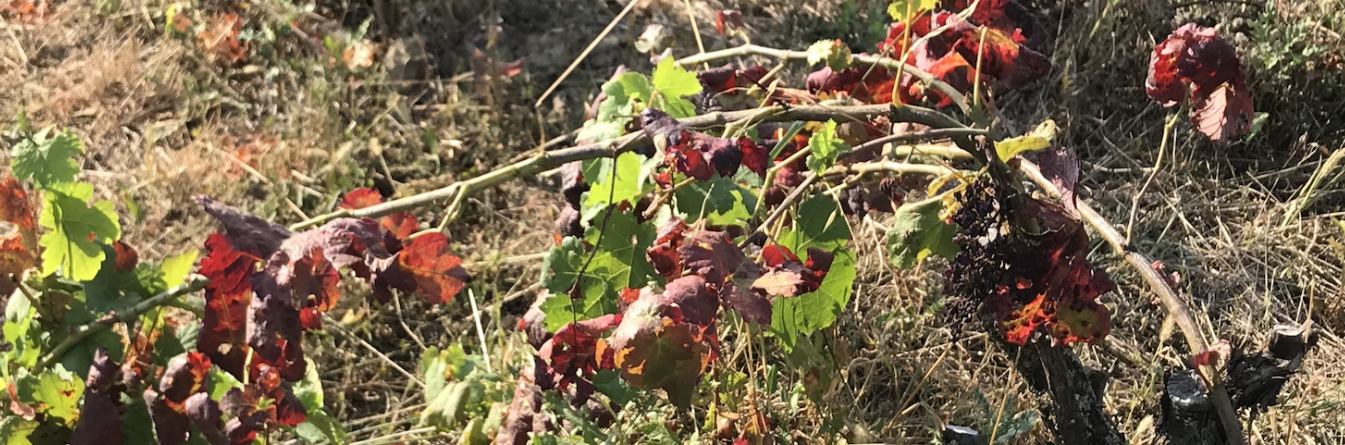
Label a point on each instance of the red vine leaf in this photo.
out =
(183, 376)
(205, 414)
(171, 426)
(246, 233)
(438, 274)
(18, 247)
(360, 198)
(16, 406)
(700, 155)
(1197, 59)
(1054, 267)
(99, 419)
(727, 21)
(713, 256)
(654, 348)
(573, 353)
(400, 224)
(227, 298)
(310, 319)
(786, 276)
(690, 295)
(127, 257)
(664, 254)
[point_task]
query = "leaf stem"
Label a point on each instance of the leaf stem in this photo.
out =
(194, 283)
(1162, 148)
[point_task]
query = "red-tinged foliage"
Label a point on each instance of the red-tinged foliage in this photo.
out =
(18, 245)
(99, 419)
(227, 298)
(139, 357)
(1197, 59)
(863, 83)
(438, 274)
(787, 276)
(311, 279)
(310, 318)
(360, 198)
(664, 253)
(532, 323)
(16, 406)
(727, 21)
(289, 411)
(171, 426)
(300, 279)
(242, 404)
(526, 406)
(15, 258)
(400, 224)
(655, 348)
(1055, 269)
(713, 256)
(691, 296)
(244, 232)
(1006, 16)
(700, 155)
(1029, 280)
(127, 257)
(572, 353)
(206, 414)
(572, 183)
(183, 376)
(274, 333)
(729, 81)
(1005, 57)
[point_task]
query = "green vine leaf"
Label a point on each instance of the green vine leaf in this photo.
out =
(721, 201)
(826, 147)
(74, 231)
(670, 81)
(609, 123)
(807, 313)
(631, 182)
(620, 257)
(562, 264)
(673, 83)
(918, 232)
(819, 223)
(47, 160)
(618, 263)
(55, 393)
(16, 430)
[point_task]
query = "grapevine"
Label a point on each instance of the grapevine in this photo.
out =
(705, 213)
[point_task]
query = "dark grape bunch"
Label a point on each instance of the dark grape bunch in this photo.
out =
(981, 262)
(1024, 279)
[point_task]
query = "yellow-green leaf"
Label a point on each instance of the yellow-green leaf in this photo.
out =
(903, 10)
(1038, 139)
(834, 52)
(74, 230)
(175, 268)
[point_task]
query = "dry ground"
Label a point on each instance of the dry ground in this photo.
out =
(286, 130)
